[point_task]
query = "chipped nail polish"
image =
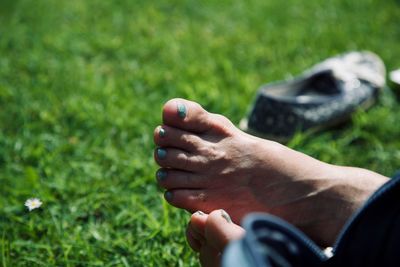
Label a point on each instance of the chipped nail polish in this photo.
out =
(182, 111)
(226, 216)
(161, 174)
(161, 153)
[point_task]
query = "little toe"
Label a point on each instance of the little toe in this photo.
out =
(166, 136)
(189, 116)
(175, 179)
(188, 199)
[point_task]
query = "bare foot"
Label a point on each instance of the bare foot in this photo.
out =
(209, 234)
(207, 164)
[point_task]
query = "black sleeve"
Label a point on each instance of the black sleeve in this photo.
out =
(372, 236)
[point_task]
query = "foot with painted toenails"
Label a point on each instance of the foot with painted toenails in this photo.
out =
(207, 163)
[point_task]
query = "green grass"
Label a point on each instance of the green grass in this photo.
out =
(82, 84)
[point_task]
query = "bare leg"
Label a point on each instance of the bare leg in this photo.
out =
(207, 164)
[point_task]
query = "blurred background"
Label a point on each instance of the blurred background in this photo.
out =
(82, 84)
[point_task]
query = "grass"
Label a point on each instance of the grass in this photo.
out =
(82, 84)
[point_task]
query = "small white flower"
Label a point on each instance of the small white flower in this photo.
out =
(33, 203)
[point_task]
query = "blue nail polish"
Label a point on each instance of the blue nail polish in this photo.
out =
(161, 175)
(161, 153)
(181, 111)
(168, 196)
(162, 132)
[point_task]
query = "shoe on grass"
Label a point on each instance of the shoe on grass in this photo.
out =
(323, 96)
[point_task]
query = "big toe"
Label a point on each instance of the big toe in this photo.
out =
(220, 230)
(190, 116)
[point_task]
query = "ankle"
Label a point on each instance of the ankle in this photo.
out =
(365, 180)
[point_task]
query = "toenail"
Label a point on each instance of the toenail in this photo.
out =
(161, 174)
(199, 212)
(168, 195)
(161, 153)
(181, 110)
(162, 132)
(226, 216)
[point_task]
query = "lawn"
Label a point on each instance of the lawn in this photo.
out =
(82, 84)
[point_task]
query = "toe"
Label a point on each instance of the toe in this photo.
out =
(192, 200)
(209, 234)
(220, 230)
(166, 136)
(198, 222)
(195, 229)
(175, 179)
(193, 240)
(184, 114)
(178, 159)
(190, 116)
(209, 256)
(188, 199)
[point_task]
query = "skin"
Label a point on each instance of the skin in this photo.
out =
(208, 234)
(208, 164)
